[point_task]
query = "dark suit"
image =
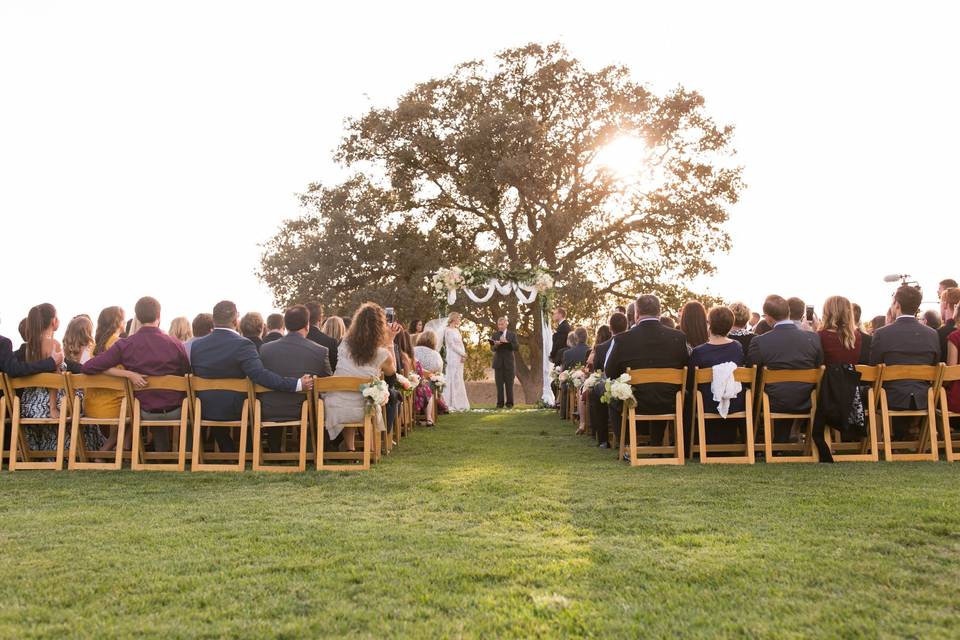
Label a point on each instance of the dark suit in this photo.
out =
(16, 368)
(293, 356)
(649, 345)
(602, 416)
(944, 332)
(577, 354)
(256, 340)
(865, 341)
(905, 341)
(787, 346)
(271, 337)
(559, 342)
(504, 365)
(226, 354)
(324, 340)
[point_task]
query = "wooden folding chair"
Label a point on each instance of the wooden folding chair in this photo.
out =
(867, 450)
(349, 384)
(140, 458)
(79, 456)
(746, 377)
(629, 418)
(951, 447)
(5, 413)
(807, 450)
(18, 439)
(259, 456)
(928, 430)
(573, 414)
(235, 461)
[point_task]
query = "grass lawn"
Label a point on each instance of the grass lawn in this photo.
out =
(489, 525)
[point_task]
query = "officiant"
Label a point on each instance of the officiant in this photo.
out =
(505, 345)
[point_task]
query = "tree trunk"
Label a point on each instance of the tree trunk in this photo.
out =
(530, 373)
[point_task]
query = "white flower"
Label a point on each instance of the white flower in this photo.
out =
(563, 377)
(621, 390)
(403, 381)
(592, 380)
(577, 376)
(414, 380)
(543, 282)
(375, 393)
(439, 380)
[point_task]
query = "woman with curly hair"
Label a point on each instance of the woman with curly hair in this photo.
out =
(366, 351)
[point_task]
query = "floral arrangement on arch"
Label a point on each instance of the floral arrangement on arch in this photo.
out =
(449, 279)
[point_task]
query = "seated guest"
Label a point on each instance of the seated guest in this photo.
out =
(202, 326)
(274, 328)
(78, 339)
(603, 417)
(148, 352)
(631, 315)
(946, 283)
(761, 328)
(754, 320)
(905, 341)
(366, 352)
(318, 336)
(291, 356)
(864, 336)
(251, 328)
(719, 349)
(785, 346)
(603, 334)
(878, 322)
(576, 355)
(180, 329)
(839, 338)
(416, 327)
(798, 309)
(949, 300)
(429, 363)
(668, 322)
(40, 402)
(335, 328)
(693, 324)
(741, 318)
(649, 345)
(226, 354)
(931, 318)
(105, 403)
(14, 367)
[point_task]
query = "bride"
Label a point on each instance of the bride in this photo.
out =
(455, 393)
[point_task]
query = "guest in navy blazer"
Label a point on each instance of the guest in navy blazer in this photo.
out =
(226, 354)
(13, 367)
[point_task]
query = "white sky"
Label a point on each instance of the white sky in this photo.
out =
(147, 148)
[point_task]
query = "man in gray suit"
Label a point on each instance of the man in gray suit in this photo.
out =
(905, 341)
(786, 346)
(505, 345)
(292, 355)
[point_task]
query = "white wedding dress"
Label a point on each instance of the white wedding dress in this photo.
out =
(455, 393)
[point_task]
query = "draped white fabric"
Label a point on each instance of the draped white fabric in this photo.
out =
(526, 294)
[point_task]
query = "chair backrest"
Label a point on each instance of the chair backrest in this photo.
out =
(920, 372)
(48, 380)
(168, 383)
(651, 376)
(950, 374)
(340, 383)
(240, 385)
(743, 375)
(7, 394)
(76, 382)
(774, 376)
(868, 373)
(257, 388)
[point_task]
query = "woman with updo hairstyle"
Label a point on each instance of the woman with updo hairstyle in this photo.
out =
(367, 352)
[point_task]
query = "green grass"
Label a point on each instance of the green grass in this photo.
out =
(489, 525)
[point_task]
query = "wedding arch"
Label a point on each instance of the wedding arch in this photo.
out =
(531, 286)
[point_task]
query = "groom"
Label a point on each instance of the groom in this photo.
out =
(504, 344)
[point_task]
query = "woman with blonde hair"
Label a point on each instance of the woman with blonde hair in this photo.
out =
(181, 329)
(838, 332)
(335, 328)
(78, 342)
(455, 393)
(367, 352)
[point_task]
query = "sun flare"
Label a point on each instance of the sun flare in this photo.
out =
(624, 156)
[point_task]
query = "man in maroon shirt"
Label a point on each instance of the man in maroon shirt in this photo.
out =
(148, 352)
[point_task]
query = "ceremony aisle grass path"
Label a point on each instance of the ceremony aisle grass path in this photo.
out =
(489, 525)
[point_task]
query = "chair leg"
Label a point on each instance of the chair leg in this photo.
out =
(195, 459)
(750, 432)
(701, 431)
(74, 434)
(767, 428)
(623, 433)
(678, 428)
(634, 461)
(885, 420)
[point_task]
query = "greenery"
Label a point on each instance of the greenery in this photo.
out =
(488, 525)
(498, 166)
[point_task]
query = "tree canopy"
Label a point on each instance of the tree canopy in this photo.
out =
(500, 164)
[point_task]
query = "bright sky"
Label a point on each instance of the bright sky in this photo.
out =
(148, 148)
